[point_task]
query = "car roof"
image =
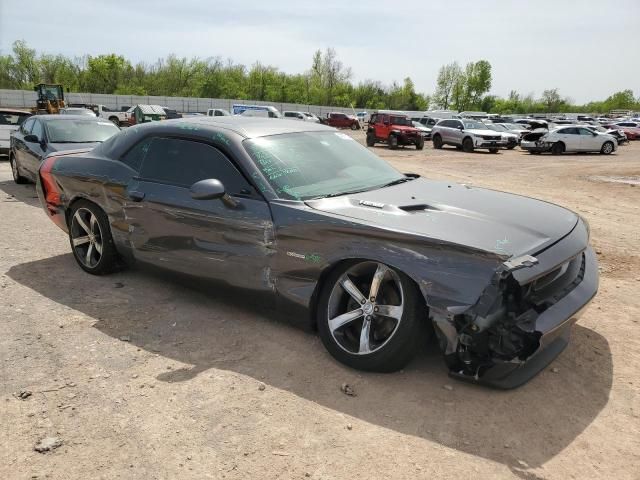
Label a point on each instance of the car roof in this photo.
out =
(251, 127)
(14, 110)
(86, 118)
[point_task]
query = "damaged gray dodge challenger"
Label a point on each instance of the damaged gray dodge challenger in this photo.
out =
(380, 260)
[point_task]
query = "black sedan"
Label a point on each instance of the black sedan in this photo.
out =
(377, 258)
(42, 135)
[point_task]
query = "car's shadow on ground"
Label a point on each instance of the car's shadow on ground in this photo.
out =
(24, 193)
(214, 328)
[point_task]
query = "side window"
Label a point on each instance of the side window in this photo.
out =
(26, 126)
(446, 123)
(374, 118)
(584, 131)
(37, 130)
(184, 162)
(135, 156)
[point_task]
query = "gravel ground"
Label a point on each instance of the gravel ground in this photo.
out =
(139, 375)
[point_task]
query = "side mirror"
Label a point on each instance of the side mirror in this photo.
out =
(461, 128)
(209, 189)
(31, 138)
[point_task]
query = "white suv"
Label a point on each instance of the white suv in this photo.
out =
(467, 135)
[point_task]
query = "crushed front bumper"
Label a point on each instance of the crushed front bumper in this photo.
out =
(554, 326)
(535, 146)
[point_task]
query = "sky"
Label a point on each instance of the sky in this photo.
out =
(588, 49)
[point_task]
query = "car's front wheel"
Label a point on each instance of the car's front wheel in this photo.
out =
(607, 148)
(371, 139)
(15, 171)
(557, 148)
(393, 142)
(90, 239)
(369, 316)
(354, 126)
(467, 145)
(437, 142)
(493, 150)
(420, 143)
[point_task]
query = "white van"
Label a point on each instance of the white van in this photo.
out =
(10, 121)
(264, 111)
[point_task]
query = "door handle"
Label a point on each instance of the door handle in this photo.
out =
(136, 196)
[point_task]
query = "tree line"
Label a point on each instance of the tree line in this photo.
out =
(327, 82)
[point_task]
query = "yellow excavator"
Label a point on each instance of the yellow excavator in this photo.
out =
(50, 98)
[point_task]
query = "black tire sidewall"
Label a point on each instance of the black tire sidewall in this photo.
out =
(437, 142)
(465, 145)
(402, 346)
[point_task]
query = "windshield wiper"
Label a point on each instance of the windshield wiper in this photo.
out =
(397, 182)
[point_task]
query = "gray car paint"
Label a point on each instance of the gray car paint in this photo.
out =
(452, 240)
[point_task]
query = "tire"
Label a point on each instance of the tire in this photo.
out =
(90, 239)
(393, 142)
(354, 126)
(607, 148)
(467, 145)
(392, 339)
(371, 139)
(511, 147)
(557, 148)
(420, 143)
(493, 150)
(115, 121)
(459, 147)
(437, 142)
(15, 171)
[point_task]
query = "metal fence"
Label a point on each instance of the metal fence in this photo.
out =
(27, 99)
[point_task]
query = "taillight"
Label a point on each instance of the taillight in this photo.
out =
(49, 185)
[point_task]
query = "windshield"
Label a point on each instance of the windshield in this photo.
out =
(77, 111)
(472, 125)
(305, 165)
(13, 118)
(401, 121)
(418, 125)
(80, 131)
(497, 127)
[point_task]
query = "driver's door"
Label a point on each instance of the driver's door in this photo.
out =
(382, 126)
(589, 142)
(229, 239)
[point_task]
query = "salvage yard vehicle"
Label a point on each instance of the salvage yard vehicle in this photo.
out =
(394, 130)
(304, 116)
(342, 120)
(377, 259)
(50, 98)
(42, 135)
(467, 135)
(260, 111)
(569, 139)
(10, 121)
(510, 138)
(217, 112)
(424, 131)
(117, 117)
(76, 111)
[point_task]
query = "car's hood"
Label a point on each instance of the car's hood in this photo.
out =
(59, 147)
(480, 131)
(497, 222)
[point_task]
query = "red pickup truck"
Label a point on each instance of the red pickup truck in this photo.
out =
(342, 120)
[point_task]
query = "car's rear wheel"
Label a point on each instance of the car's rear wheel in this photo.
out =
(437, 142)
(15, 171)
(420, 143)
(512, 146)
(371, 139)
(467, 145)
(354, 126)
(557, 148)
(115, 121)
(369, 316)
(607, 148)
(90, 239)
(393, 142)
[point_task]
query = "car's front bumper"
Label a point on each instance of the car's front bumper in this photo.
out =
(481, 143)
(554, 326)
(5, 147)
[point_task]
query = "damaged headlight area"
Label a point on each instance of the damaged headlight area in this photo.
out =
(502, 327)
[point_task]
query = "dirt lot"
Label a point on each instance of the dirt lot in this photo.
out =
(142, 377)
